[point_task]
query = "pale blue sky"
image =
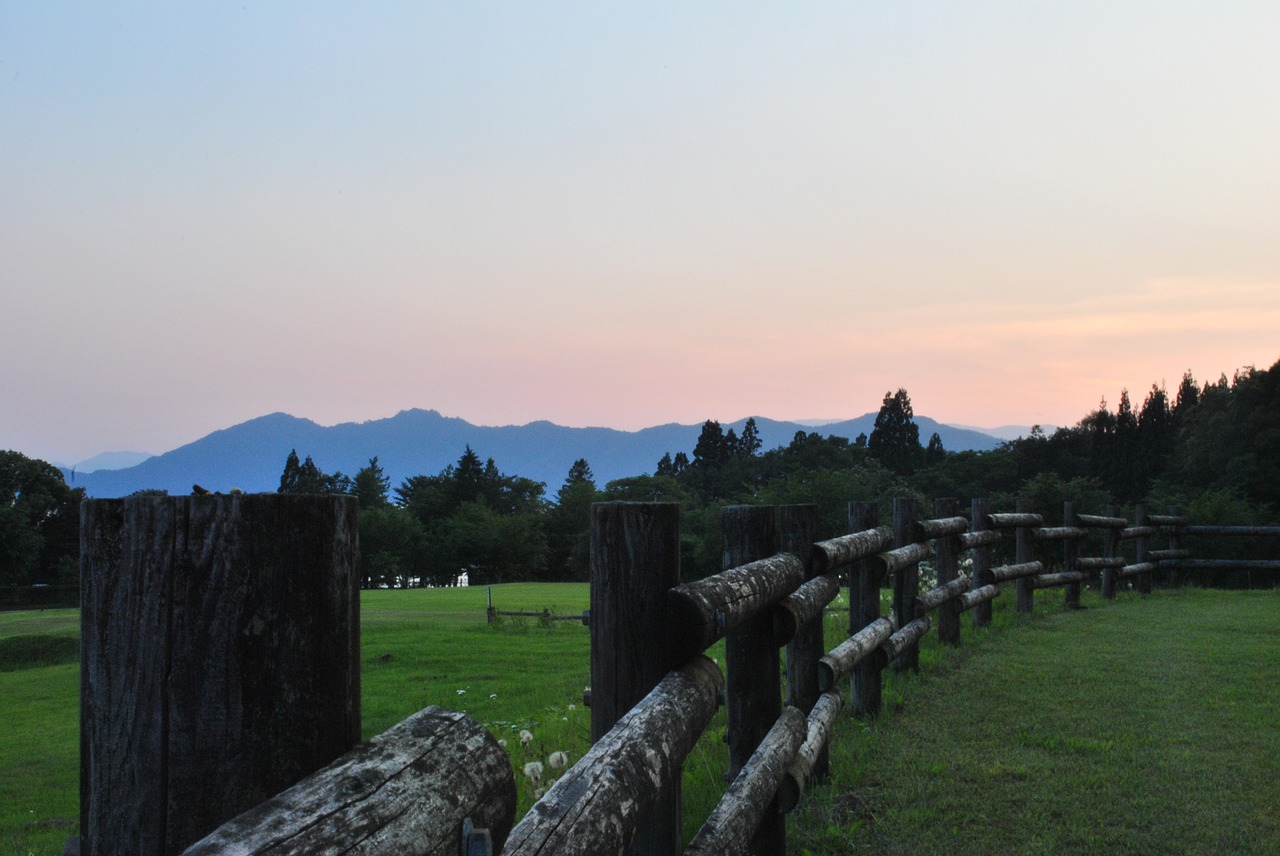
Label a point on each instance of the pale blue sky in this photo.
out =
(609, 215)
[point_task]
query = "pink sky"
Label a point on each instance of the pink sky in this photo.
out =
(624, 218)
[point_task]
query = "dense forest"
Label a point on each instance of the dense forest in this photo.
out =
(1212, 448)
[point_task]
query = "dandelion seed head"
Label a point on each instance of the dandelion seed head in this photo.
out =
(558, 760)
(526, 737)
(533, 771)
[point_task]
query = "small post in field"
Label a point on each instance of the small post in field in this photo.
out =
(1070, 553)
(1110, 550)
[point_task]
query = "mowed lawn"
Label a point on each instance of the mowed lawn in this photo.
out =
(1140, 726)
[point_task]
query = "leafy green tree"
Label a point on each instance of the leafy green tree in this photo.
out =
(39, 522)
(749, 443)
(895, 439)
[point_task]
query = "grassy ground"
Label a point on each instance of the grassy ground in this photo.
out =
(1033, 737)
(1139, 727)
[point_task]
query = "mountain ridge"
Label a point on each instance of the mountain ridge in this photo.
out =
(250, 455)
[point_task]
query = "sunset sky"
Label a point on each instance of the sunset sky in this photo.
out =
(624, 215)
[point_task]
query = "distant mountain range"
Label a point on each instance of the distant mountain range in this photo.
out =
(251, 455)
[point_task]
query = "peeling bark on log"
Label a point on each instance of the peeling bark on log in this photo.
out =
(704, 611)
(598, 805)
(1256, 531)
(1054, 580)
(1019, 520)
(1136, 569)
(1097, 563)
(1166, 555)
(1005, 573)
(981, 538)
(1094, 521)
(405, 791)
(847, 549)
(940, 527)
(904, 639)
(220, 658)
(979, 596)
(940, 595)
(821, 720)
(1138, 532)
(802, 606)
(1173, 520)
(1061, 533)
(902, 558)
(841, 660)
(732, 826)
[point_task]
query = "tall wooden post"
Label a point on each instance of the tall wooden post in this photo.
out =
(798, 530)
(1022, 549)
(635, 561)
(982, 576)
(864, 608)
(906, 582)
(1070, 553)
(1143, 548)
(946, 560)
(220, 664)
(753, 685)
(1110, 550)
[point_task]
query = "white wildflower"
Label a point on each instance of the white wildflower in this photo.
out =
(533, 771)
(558, 760)
(502, 741)
(526, 737)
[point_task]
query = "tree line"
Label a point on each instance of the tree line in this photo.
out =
(1212, 448)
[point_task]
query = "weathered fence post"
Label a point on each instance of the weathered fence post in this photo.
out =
(979, 509)
(1110, 550)
(798, 530)
(1143, 548)
(864, 608)
(1070, 553)
(946, 560)
(753, 686)
(635, 561)
(906, 582)
(1022, 549)
(1175, 545)
(219, 659)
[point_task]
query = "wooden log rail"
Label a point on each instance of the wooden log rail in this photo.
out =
(408, 790)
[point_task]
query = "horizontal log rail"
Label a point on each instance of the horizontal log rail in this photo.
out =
(408, 790)
(1225, 564)
(1138, 532)
(1015, 521)
(982, 538)
(1139, 568)
(892, 561)
(1094, 521)
(839, 661)
(702, 612)
(1061, 533)
(1098, 563)
(1245, 531)
(927, 530)
(826, 710)
(985, 594)
(1167, 520)
(847, 549)
(802, 606)
(1005, 573)
(598, 804)
(1055, 580)
(938, 595)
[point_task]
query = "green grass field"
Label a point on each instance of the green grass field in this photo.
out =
(1140, 726)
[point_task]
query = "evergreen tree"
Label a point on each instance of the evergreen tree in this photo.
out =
(750, 443)
(895, 439)
(372, 486)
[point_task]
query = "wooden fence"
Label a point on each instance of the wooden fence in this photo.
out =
(438, 782)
